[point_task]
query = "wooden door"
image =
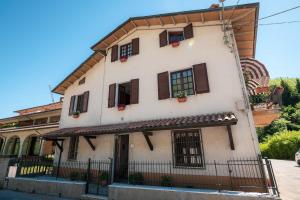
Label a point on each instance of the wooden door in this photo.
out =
(121, 158)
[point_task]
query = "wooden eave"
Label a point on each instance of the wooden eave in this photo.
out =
(244, 23)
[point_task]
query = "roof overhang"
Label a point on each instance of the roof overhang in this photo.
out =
(243, 18)
(198, 121)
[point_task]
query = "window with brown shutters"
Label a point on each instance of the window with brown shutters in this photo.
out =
(188, 32)
(79, 103)
(127, 93)
(189, 81)
(201, 78)
(163, 85)
(134, 91)
(169, 37)
(112, 95)
(114, 53)
(163, 38)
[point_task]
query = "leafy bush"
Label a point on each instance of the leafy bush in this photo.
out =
(166, 181)
(258, 98)
(282, 145)
(276, 126)
(74, 175)
(136, 179)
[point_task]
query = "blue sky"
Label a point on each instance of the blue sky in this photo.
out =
(41, 42)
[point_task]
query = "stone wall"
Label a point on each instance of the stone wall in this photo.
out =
(3, 170)
(126, 192)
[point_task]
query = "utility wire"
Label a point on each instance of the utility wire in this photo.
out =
(237, 3)
(278, 13)
(279, 23)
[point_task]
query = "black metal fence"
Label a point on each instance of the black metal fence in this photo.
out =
(249, 175)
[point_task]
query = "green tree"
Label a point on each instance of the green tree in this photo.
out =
(290, 95)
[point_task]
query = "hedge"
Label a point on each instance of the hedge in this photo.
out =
(282, 145)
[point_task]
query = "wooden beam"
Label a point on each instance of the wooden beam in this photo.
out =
(88, 139)
(102, 52)
(202, 18)
(146, 135)
(133, 24)
(147, 22)
(230, 137)
(242, 15)
(124, 30)
(161, 22)
(186, 19)
(173, 20)
(58, 145)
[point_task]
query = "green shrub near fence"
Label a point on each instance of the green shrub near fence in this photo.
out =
(282, 145)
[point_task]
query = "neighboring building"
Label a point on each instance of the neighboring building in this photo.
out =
(139, 65)
(21, 135)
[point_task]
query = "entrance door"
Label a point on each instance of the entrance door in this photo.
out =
(121, 158)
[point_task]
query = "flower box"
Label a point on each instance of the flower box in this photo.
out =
(124, 59)
(76, 114)
(121, 107)
(182, 99)
(175, 44)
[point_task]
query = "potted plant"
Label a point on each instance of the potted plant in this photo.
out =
(166, 181)
(76, 114)
(121, 107)
(123, 59)
(175, 43)
(181, 96)
(104, 178)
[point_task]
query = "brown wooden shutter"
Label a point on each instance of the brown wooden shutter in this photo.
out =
(85, 101)
(188, 31)
(135, 46)
(201, 78)
(114, 53)
(163, 85)
(134, 91)
(112, 95)
(163, 38)
(72, 101)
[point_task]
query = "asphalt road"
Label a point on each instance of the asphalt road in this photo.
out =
(12, 195)
(287, 175)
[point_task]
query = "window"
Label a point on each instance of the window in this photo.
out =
(54, 119)
(187, 148)
(82, 81)
(175, 36)
(40, 121)
(78, 104)
(73, 148)
(182, 81)
(124, 92)
(126, 50)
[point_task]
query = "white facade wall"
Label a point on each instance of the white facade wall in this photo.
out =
(206, 46)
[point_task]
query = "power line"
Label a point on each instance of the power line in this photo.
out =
(278, 13)
(279, 23)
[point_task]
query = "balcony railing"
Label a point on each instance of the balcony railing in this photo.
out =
(29, 126)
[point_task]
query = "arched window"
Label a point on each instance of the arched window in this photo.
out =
(12, 146)
(31, 146)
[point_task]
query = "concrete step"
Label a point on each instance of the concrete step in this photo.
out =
(93, 197)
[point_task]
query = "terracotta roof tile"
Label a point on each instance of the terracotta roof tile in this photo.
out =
(218, 119)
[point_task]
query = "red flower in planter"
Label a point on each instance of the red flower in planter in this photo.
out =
(175, 43)
(182, 99)
(121, 107)
(123, 59)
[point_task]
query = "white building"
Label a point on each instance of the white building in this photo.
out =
(121, 102)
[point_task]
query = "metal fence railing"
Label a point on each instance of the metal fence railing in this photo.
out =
(249, 175)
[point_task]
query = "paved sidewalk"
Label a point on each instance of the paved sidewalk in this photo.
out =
(287, 174)
(13, 195)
